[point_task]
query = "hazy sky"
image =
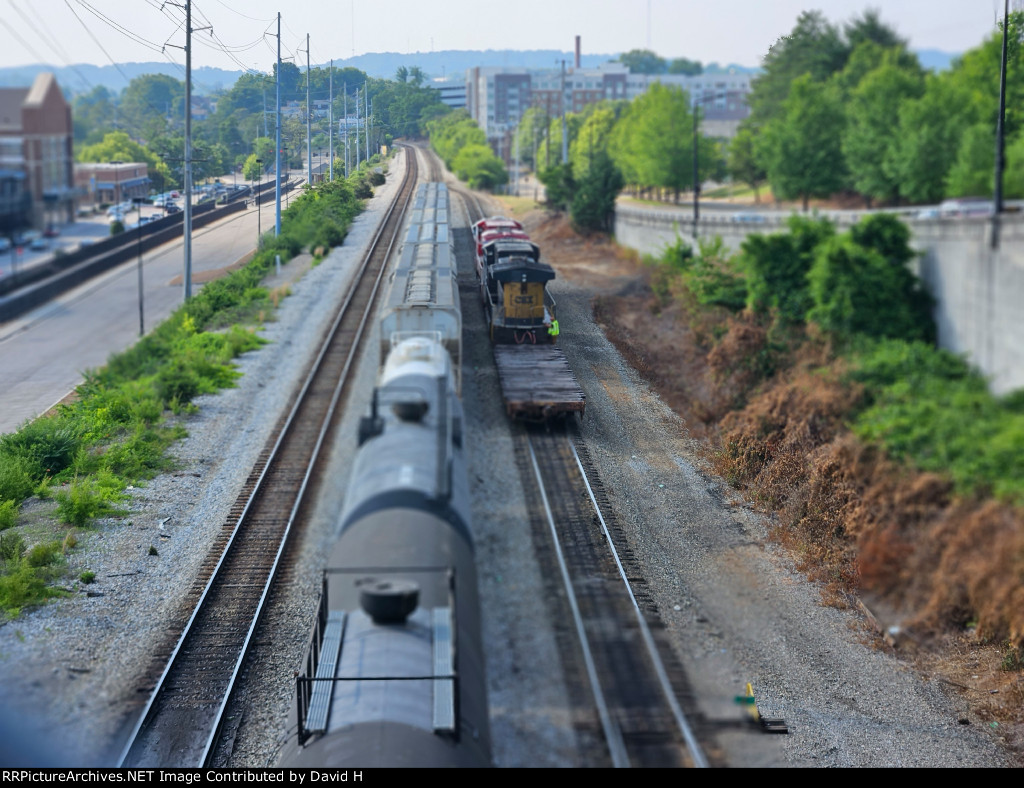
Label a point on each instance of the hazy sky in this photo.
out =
(737, 31)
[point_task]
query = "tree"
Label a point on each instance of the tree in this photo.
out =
(927, 140)
(801, 147)
(479, 167)
(742, 163)
(592, 137)
(593, 205)
(872, 127)
(559, 185)
(253, 169)
(118, 146)
(643, 61)
(814, 47)
(402, 74)
(92, 113)
(972, 174)
(681, 65)
(149, 100)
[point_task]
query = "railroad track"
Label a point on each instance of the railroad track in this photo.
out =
(182, 720)
(626, 688)
(626, 674)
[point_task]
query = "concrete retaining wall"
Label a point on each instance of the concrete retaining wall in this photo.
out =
(980, 291)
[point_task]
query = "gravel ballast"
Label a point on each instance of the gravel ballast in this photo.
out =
(734, 607)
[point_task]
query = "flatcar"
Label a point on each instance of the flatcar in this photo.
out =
(394, 674)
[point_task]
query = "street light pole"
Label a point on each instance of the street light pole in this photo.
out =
(696, 181)
(259, 182)
(142, 329)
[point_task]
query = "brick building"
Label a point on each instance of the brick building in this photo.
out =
(36, 155)
(112, 182)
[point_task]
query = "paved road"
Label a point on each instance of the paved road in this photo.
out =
(44, 353)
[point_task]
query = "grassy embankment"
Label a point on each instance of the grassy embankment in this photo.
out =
(115, 434)
(892, 469)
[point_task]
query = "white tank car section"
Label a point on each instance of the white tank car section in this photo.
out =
(423, 298)
(395, 672)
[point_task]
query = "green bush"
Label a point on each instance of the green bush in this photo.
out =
(8, 514)
(87, 577)
(87, 499)
(860, 284)
(776, 266)
(44, 554)
(49, 442)
(177, 383)
(17, 477)
(928, 408)
(22, 588)
(11, 547)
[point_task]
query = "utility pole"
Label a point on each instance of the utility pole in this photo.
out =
(309, 116)
(355, 158)
(330, 124)
(344, 89)
(366, 98)
(516, 170)
(188, 150)
(696, 181)
(277, 148)
(997, 207)
(565, 136)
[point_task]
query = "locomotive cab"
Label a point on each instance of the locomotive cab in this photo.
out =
(521, 307)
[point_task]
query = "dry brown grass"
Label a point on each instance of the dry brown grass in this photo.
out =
(947, 573)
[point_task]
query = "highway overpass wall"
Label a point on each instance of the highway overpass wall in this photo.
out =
(979, 291)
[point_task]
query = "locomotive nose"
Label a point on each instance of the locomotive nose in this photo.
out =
(388, 601)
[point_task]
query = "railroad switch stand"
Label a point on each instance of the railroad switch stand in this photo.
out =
(767, 724)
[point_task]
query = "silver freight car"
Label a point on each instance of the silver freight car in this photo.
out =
(423, 299)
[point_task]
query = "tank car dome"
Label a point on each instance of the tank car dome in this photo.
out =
(415, 356)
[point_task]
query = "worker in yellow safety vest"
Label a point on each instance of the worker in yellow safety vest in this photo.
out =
(553, 328)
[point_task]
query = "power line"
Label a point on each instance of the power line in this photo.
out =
(254, 19)
(121, 29)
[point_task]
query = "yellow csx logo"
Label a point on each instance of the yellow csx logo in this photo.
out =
(524, 299)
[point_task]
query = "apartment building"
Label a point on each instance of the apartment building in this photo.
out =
(497, 97)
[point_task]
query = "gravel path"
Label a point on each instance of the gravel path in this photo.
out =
(734, 607)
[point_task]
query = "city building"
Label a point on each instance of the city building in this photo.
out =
(497, 96)
(452, 94)
(102, 183)
(36, 155)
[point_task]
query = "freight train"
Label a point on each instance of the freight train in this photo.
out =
(537, 382)
(394, 674)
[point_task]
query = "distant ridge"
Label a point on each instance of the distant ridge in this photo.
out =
(446, 64)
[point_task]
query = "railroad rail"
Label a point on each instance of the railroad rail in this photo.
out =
(624, 682)
(633, 688)
(182, 720)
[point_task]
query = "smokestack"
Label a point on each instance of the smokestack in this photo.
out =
(577, 52)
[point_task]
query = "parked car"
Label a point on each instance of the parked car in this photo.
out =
(172, 207)
(39, 244)
(748, 217)
(968, 206)
(51, 231)
(5, 244)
